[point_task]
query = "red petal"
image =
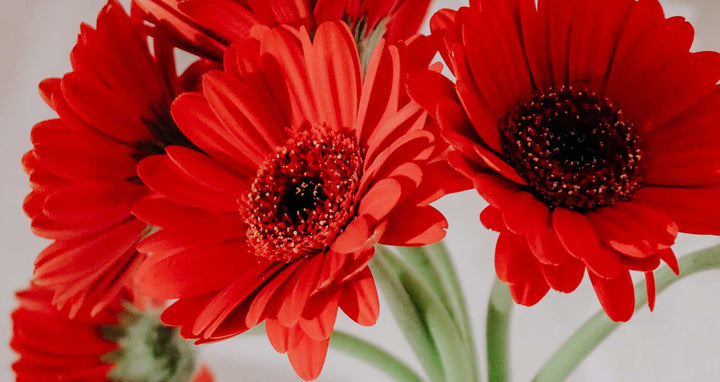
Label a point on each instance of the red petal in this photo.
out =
(564, 278)
(284, 65)
(529, 292)
(617, 296)
(319, 317)
(183, 30)
(579, 237)
(379, 92)
(496, 56)
(596, 29)
(308, 357)
(197, 121)
(246, 123)
(162, 175)
(414, 146)
(204, 375)
(514, 262)
(359, 299)
(696, 166)
(380, 199)
(278, 335)
(101, 203)
(226, 313)
(535, 40)
(194, 272)
(668, 256)
(676, 86)
(557, 17)
(695, 210)
(650, 285)
(498, 164)
(491, 218)
(410, 225)
(300, 287)
(428, 88)
(334, 65)
(224, 18)
(525, 214)
(439, 179)
(354, 237)
(484, 120)
(206, 171)
(547, 248)
(407, 19)
(257, 311)
(106, 111)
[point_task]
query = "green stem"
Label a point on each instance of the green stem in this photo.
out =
(587, 338)
(422, 263)
(379, 358)
(373, 355)
(407, 314)
(497, 332)
(440, 258)
(444, 333)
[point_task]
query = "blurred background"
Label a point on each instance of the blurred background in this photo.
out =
(678, 342)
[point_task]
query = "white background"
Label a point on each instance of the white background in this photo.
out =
(678, 342)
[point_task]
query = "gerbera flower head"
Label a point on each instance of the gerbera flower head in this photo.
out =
(113, 110)
(115, 345)
(304, 167)
(589, 128)
(208, 27)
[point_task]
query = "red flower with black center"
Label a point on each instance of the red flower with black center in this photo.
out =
(115, 345)
(114, 109)
(590, 130)
(209, 27)
(304, 168)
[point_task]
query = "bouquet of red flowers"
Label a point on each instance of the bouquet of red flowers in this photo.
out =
(221, 165)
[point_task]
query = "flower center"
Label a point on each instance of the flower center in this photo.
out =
(575, 149)
(303, 195)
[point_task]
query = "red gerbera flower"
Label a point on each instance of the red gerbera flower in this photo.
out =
(305, 167)
(114, 109)
(590, 130)
(102, 348)
(208, 27)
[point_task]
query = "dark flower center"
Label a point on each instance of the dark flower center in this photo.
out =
(575, 149)
(303, 195)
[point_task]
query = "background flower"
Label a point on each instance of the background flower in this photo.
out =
(208, 27)
(113, 110)
(118, 344)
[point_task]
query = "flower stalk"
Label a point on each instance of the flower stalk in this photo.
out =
(497, 332)
(442, 335)
(373, 355)
(433, 264)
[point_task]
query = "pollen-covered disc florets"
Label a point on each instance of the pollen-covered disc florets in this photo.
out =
(575, 149)
(303, 195)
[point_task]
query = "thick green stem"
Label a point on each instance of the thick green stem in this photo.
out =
(497, 332)
(589, 336)
(444, 333)
(379, 358)
(407, 315)
(373, 355)
(441, 260)
(433, 264)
